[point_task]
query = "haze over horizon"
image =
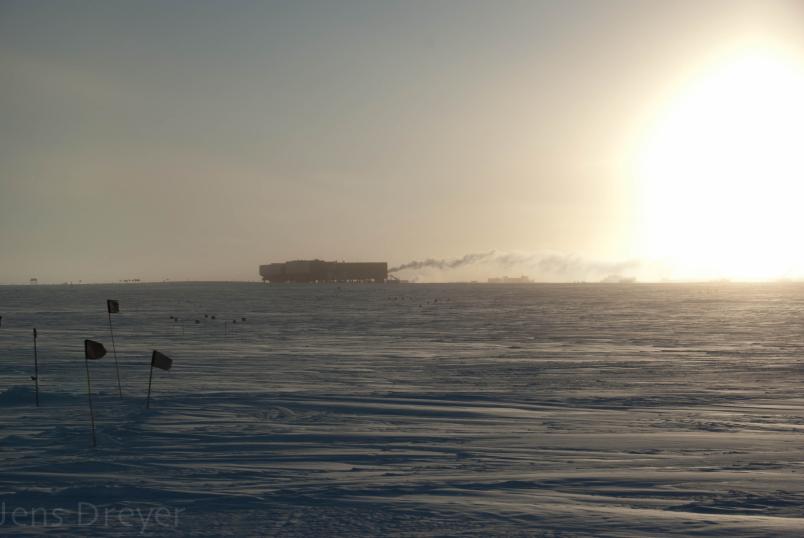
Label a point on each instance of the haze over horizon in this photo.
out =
(198, 140)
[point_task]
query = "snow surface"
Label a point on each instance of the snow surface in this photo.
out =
(407, 410)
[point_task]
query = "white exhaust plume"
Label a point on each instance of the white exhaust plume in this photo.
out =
(542, 265)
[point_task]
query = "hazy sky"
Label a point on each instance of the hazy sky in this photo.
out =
(197, 140)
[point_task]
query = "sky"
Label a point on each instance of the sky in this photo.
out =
(197, 140)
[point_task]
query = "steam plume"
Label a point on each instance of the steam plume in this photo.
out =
(551, 265)
(444, 264)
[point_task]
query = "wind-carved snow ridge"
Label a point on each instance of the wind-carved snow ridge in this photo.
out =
(405, 410)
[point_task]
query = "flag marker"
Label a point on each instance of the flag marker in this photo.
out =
(113, 307)
(92, 351)
(161, 361)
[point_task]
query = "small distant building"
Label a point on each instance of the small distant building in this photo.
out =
(510, 280)
(618, 279)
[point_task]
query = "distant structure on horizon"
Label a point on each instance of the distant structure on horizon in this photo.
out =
(617, 279)
(510, 280)
(323, 271)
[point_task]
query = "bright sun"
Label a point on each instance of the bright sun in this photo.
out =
(721, 172)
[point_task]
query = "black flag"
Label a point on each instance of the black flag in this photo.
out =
(161, 361)
(93, 350)
(112, 306)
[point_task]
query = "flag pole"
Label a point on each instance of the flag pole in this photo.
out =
(91, 412)
(161, 361)
(36, 369)
(150, 378)
(114, 352)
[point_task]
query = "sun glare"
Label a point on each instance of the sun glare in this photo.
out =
(721, 172)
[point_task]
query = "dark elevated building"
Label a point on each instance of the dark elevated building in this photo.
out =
(321, 271)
